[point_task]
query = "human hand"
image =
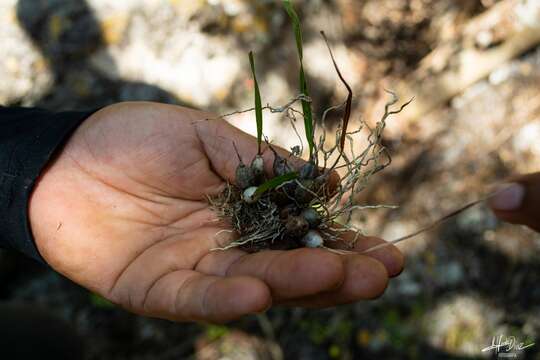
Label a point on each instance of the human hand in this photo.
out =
(519, 201)
(122, 211)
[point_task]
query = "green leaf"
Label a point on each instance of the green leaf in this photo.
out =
(306, 109)
(275, 182)
(258, 105)
(306, 105)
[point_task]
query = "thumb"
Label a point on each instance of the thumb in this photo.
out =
(519, 201)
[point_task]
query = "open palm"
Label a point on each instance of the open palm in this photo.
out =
(122, 211)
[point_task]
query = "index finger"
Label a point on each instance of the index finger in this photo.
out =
(519, 201)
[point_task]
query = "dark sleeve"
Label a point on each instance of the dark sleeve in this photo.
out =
(29, 137)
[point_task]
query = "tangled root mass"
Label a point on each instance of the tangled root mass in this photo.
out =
(300, 206)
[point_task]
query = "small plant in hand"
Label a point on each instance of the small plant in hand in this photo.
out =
(302, 205)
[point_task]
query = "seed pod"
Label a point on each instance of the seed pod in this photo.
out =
(257, 167)
(249, 195)
(312, 239)
(304, 193)
(244, 176)
(296, 227)
(312, 216)
(308, 171)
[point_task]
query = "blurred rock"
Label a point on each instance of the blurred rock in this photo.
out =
(406, 286)
(23, 71)
(463, 325)
(236, 345)
(449, 274)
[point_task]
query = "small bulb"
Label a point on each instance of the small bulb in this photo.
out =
(257, 165)
(244, 176)
(249, 195)
(312, 217)
(312, 239)
(308, 171)
(280, 166)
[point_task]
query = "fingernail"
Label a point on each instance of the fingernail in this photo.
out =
(509, 198)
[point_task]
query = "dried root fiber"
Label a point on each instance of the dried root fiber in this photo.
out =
(303, 206)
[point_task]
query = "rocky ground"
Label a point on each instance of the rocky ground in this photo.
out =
(465, 282)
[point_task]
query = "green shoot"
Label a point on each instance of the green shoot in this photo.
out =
(306, 105)
(275, 182)
(258, 105)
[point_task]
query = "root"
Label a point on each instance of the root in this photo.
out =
(261, 225)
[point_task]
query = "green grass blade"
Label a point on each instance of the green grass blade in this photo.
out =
(296, 26)
(275, 182)
(306, 105)
(306, 109)
(258, 104)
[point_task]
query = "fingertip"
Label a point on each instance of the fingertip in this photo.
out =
(509, 197)
(260, 297)
(517, 202)
(369, 278)
(392, 258)
(396, 263)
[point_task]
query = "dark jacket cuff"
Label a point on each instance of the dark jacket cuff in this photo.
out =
(29, 138)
